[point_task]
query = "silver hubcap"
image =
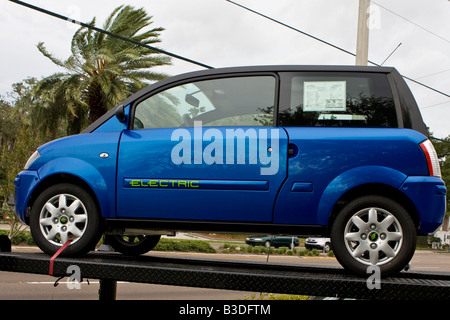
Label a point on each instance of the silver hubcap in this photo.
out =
(63, 217)
(373, 236)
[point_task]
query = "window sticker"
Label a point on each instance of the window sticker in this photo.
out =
(319, 96)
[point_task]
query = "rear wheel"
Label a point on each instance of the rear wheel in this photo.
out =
(373, 231)
(132, 245)
(65, 212)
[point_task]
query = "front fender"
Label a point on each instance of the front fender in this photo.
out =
(86, 172)
(353, 178)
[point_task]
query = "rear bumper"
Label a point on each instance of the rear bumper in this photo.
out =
(428, 195)
(310, 246)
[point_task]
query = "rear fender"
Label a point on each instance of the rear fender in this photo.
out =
(351, 179)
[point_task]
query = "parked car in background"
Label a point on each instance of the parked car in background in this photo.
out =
(273, 241)
(323, 244)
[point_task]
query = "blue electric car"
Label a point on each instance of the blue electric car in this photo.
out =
(328, 151)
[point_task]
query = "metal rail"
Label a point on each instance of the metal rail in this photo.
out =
(241, 276)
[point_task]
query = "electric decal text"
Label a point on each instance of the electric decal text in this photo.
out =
(161, 183)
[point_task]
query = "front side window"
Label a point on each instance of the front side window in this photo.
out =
(238, 101)
(339, 100)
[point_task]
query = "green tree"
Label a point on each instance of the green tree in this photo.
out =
(18, 141)
(100, 72)
(12, 160)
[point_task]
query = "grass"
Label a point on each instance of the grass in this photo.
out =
(233, 248)
(22, 239)
(272, 296)
(184, 246)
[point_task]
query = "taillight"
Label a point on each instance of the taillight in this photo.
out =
(432, 159)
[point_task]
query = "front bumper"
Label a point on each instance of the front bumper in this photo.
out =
(25, 182)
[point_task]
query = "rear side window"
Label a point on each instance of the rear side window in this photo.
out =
(235, 101)
(338, 100)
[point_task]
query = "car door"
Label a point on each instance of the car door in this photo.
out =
(203, 150)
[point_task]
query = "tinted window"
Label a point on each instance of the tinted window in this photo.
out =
(239, 101)
(339, 100)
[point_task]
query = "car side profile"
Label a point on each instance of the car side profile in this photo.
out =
(323, 244)
(273, 241)
(333, 151)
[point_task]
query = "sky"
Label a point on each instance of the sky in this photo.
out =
(221, 34)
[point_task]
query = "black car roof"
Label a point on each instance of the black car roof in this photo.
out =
(236, 70)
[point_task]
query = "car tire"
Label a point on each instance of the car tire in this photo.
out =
(132, 245)
(327, 247)
(373, 231)
(65, 212)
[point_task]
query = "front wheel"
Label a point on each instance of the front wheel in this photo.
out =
(373, 231)
(65, 212)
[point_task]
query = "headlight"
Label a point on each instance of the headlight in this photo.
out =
(33, 158)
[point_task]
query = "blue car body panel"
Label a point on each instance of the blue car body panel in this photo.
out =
(25, 184)
(336, 160)
(429, 197)
(219, 188)
(77, 156)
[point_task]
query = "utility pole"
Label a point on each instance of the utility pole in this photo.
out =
(362, 40)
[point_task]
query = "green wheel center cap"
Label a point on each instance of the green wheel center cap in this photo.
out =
(373, 236)
(64, 220)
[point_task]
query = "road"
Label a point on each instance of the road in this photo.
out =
(19, 286)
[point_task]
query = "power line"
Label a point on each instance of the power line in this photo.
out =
(391, 54)
(434, 105)
(329, 44)
(56, 15)
(426, 86)
(433, 74)
(442, 140)
(292, 28)
(412, 22)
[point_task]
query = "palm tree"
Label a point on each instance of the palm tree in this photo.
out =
(101, 71)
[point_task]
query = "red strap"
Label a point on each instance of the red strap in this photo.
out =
(50, 270)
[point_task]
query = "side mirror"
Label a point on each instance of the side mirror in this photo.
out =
(120, 114)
